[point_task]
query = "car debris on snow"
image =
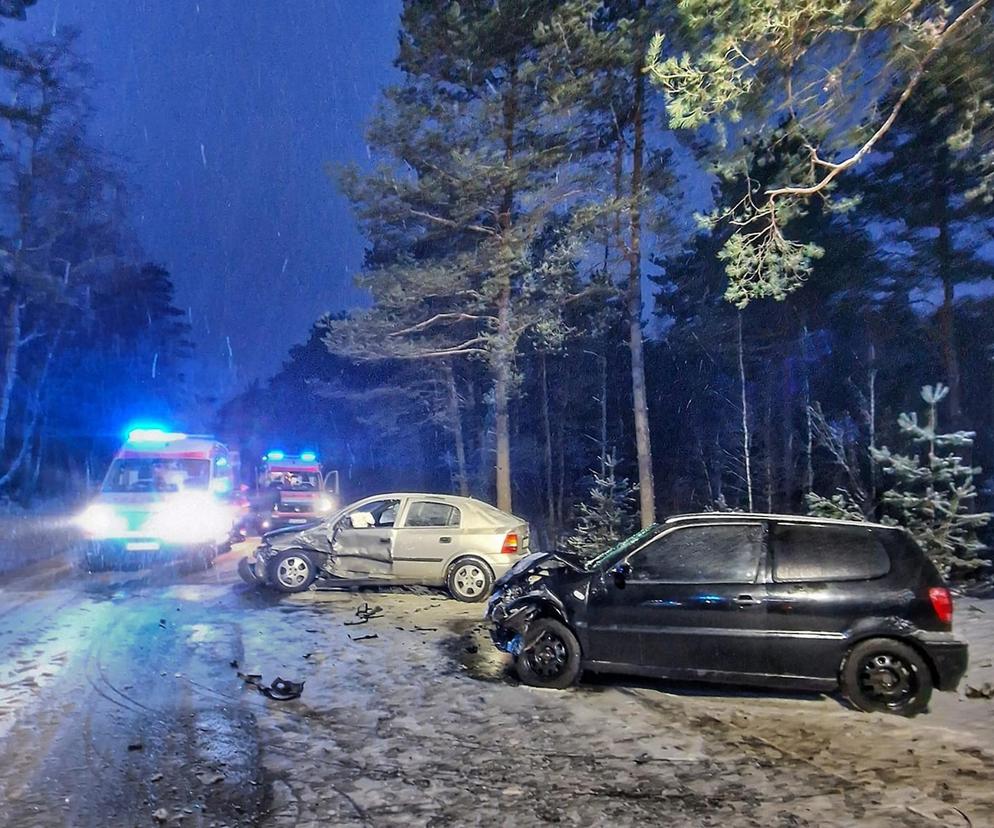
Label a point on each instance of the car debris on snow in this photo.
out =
(160, 815)
(985, 691)
(363, 637)
(365, 613)
(136, 746)
(283, 690)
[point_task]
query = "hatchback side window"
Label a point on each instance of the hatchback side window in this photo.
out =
(827, 553)
(427, 513)
(702, 555)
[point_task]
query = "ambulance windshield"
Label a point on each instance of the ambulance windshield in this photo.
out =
(157, 474)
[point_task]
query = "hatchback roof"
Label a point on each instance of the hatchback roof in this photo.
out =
(719, 516)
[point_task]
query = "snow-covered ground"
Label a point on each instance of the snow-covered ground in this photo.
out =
(121, 704)
(425, 725)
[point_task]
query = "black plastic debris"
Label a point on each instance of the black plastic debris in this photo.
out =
(233, 663)
(283, 690)
(136, 746)
(363, 637)
(985, 691)
(365, 613)
(250, 678)
(162, 623)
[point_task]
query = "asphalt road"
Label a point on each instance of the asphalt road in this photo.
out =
(121, 704)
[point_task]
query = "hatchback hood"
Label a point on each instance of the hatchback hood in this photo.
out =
(310, 536)
(541, 560)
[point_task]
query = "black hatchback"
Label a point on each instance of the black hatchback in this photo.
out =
(774, 600)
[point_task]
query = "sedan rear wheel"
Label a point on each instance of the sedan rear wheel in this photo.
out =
(470, 580)
(885, 676)
(292, 571)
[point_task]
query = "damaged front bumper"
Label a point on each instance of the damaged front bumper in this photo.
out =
(511, 613)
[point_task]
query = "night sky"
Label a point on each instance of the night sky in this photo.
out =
(226, 114)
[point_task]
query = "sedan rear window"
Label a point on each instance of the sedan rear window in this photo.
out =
(827, 553)
(426, 513)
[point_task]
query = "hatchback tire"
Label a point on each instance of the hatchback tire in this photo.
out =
(291, 571)
(554, 660)
(885, 676)
(469, 580)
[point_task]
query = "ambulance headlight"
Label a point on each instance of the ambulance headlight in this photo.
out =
(192, 520)
(101, 521)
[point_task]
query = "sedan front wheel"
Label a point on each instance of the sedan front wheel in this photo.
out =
(292, 571)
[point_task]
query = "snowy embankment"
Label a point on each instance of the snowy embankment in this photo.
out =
(30, 535)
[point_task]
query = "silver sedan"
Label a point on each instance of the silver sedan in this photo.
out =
(401, 538)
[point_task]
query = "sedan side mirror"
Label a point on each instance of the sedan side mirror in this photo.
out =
(621, 573)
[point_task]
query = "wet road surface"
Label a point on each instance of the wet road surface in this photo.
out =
(121, 705)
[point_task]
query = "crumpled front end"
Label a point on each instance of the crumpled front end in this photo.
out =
(532, 590)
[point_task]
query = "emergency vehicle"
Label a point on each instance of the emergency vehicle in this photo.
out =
(293, 491)
(166, 494)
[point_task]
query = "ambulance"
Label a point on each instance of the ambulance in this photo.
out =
(166, 495)
(293, 491)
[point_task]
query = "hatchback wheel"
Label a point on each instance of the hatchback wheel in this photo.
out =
(292, 571)
(554, 660)
(470, 580)
(886, 676)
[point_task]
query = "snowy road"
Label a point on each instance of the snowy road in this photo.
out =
(120, 705)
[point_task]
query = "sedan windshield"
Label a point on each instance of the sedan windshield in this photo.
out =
(619, 550)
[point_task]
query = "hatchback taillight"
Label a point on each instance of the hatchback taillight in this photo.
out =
(510, 546)
(942, 603)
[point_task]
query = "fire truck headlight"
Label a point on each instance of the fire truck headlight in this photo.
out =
(101, 521)
(325, 504)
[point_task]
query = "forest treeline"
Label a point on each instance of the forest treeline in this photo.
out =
(715, 250)
(89, 334)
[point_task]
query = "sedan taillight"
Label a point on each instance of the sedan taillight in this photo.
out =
(942, 603)
(510, 546)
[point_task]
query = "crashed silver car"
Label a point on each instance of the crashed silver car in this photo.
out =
(402, 538)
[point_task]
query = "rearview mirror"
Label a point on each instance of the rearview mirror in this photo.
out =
(361, 520)
(621, 573)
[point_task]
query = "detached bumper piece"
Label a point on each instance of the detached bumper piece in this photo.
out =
(248, 570)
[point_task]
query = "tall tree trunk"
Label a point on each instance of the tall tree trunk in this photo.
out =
(547, 442)
(503, 354)
(643, 446)
(12, 347)
(455, 419)
(944, 255)
(602, 365)
(787, 446)
(746, 449)
(809, 436)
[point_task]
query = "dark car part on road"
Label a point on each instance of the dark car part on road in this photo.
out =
(283, 690)
(775, 600)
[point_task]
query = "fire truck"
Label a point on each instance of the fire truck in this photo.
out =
(166, 494)
(293, 491)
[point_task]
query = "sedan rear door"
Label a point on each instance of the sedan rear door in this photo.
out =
(427, 537)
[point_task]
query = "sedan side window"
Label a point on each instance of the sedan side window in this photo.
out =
(823, 553)
(427, 513)
(702, 555)
(383, 512)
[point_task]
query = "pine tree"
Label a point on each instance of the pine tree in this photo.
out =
(608, 514)
(933, 493)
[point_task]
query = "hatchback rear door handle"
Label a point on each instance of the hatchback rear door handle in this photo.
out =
(445, 539)
(745, 601)
(384, 540)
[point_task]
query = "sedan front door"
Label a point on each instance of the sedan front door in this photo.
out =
(366, 551)
(700, 600)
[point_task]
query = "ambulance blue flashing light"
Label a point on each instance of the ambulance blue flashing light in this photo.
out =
(308, 456)
(154, 435)
(275, 455)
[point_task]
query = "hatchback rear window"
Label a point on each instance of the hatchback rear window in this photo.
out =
(827, 553)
